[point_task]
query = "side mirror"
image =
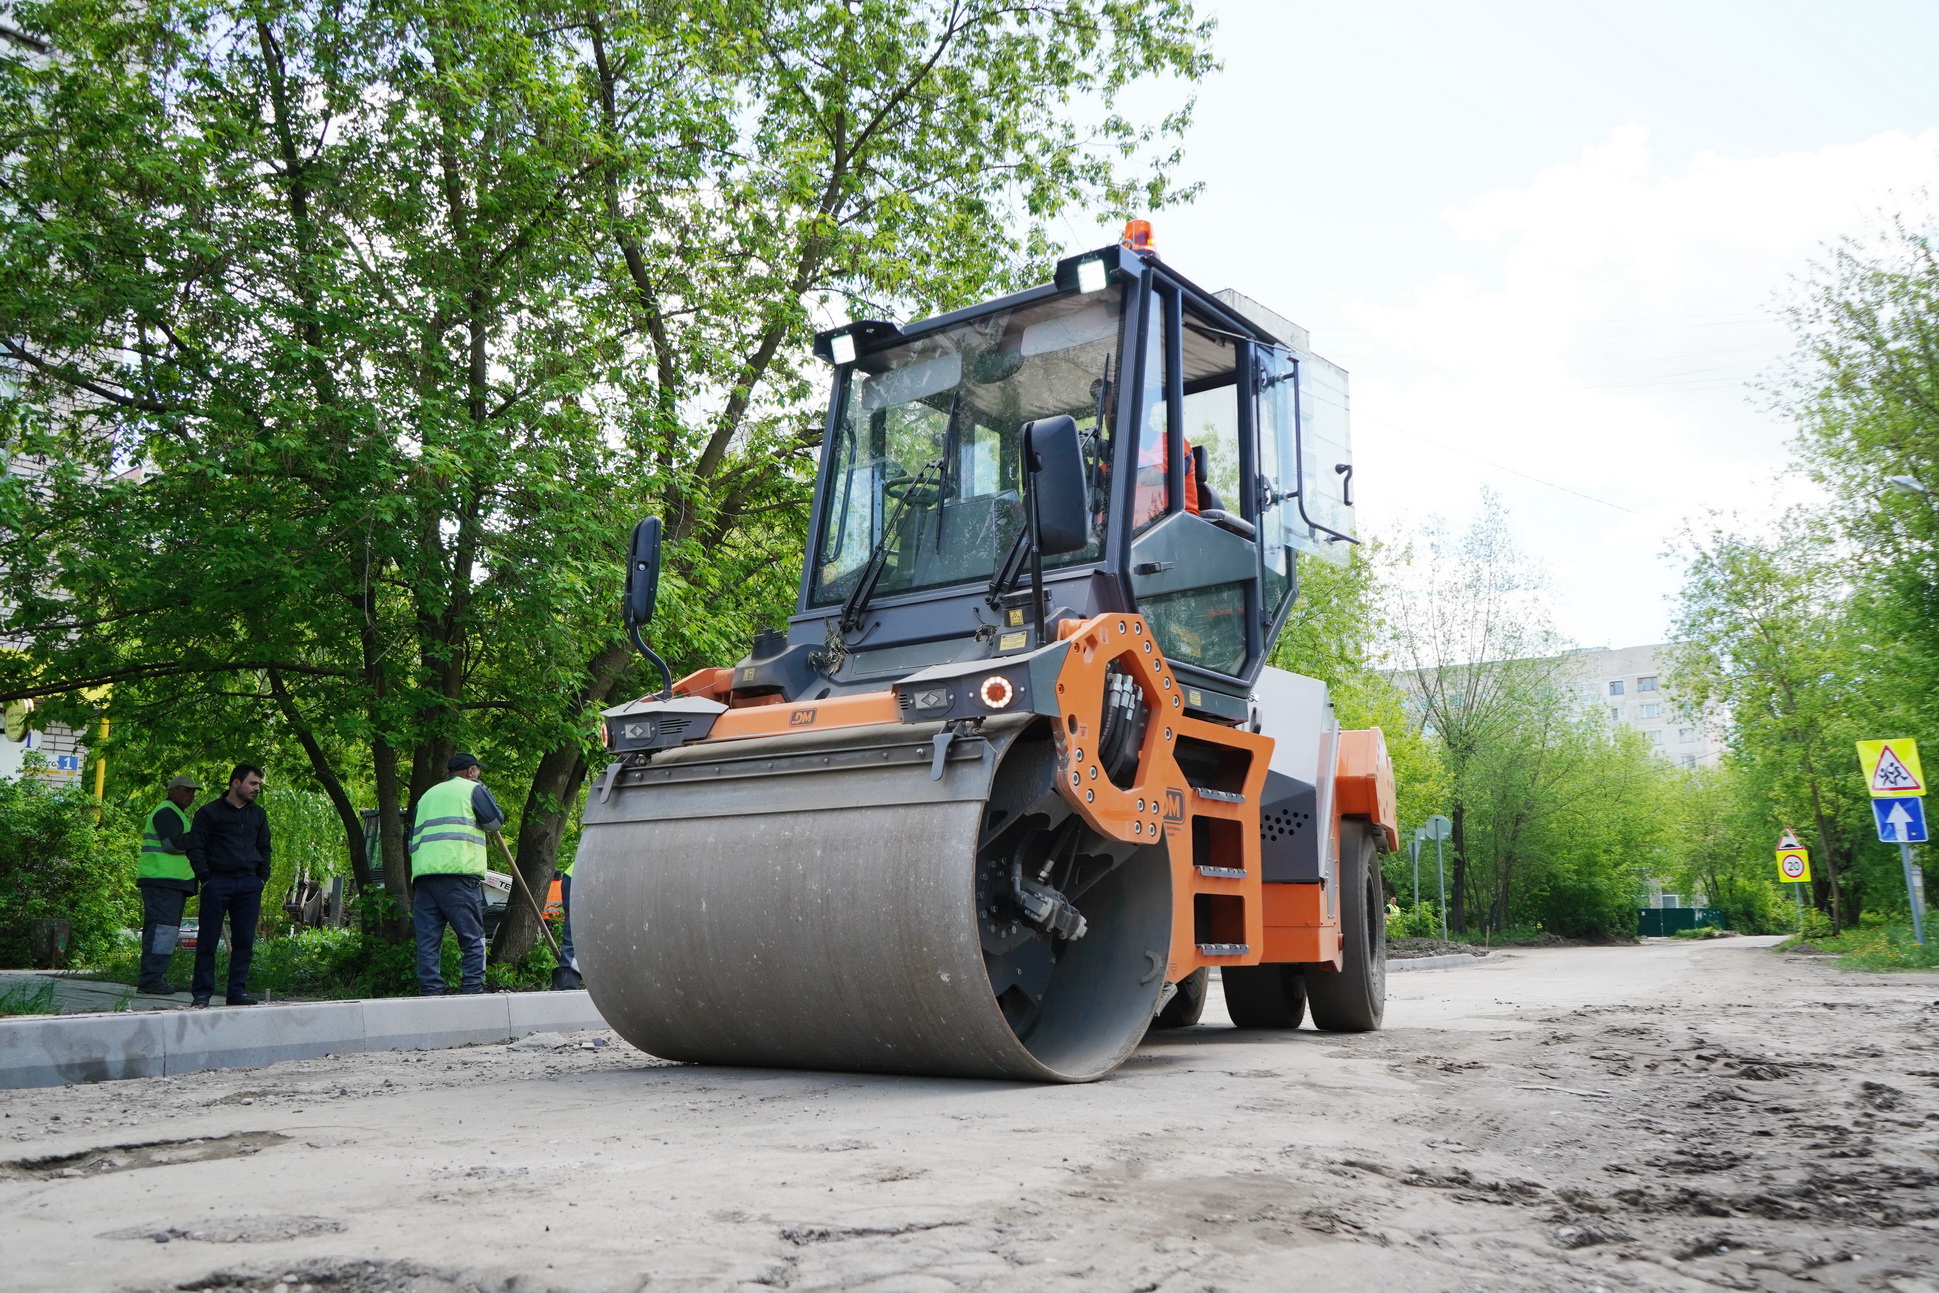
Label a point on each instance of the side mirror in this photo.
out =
(1057, 492)
(643, 572)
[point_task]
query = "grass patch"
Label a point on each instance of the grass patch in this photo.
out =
(1874, 947)
(26, 999)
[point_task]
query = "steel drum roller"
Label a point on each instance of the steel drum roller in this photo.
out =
(811, 902)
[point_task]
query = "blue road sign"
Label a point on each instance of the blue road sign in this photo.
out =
(1901, 821)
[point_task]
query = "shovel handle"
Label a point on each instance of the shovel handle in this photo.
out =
(526, 889)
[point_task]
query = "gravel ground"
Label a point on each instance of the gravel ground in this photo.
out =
(1658, 1117)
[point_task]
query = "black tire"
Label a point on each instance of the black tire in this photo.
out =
(1188, 1003)
(1353, 999)
(1264, 996)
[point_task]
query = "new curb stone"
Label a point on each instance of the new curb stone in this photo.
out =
(55, 1050)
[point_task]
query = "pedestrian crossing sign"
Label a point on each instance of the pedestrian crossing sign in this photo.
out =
(1892, 768)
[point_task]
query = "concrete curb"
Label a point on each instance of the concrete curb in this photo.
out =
(1453, 960)
(56, 1050)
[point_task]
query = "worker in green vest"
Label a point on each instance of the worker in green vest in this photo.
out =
(166, 881)
(448, 833)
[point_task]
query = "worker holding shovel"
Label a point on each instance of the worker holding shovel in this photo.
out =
(447, 874)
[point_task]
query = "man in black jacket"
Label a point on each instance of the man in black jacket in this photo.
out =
(229, 848)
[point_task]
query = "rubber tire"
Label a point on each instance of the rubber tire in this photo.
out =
(1353, 999)
(1264, 996)
(1188, 1003)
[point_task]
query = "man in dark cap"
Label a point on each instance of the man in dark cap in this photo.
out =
(448, 874)
(167, 881)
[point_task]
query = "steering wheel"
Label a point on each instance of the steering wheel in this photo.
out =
(912, 490)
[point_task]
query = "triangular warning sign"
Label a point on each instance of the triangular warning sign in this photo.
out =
(1788, 840)
(1892, 774)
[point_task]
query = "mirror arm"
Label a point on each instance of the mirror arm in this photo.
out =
(1036, 550)
(666, 674)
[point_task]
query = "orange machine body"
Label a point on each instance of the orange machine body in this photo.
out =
(1224, 914)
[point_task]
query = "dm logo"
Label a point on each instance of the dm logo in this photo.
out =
(801, 718)
(1174, 809)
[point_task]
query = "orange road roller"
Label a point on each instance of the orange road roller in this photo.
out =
(1016, 775)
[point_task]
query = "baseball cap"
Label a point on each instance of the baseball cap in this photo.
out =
(460, 761)
(184, 782)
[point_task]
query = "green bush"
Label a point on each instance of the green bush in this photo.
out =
(334, 964)
(1422, 920)
(64, 856)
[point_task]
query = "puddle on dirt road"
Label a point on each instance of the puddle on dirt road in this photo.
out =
(242, 1230)
(336, 1277)
(153, 1153)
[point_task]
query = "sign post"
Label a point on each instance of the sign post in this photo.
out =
(1437, 829)
(1414, 853)
(1794, 868)
(1897, 785)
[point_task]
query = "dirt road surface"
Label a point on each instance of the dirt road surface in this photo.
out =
(1672, 1116)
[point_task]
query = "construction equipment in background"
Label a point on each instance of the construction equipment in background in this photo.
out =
(1016, 775)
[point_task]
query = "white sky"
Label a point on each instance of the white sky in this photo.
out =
(1549, 239)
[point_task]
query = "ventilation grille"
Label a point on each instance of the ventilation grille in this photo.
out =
(1283, 824)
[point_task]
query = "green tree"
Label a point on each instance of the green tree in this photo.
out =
(1476, 657)
(1337, 631)
(407, 310)
(1769, 646)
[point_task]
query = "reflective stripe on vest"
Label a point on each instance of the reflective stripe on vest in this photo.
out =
(446, 839)
(157, 863)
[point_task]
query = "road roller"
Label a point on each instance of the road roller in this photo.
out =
(1015, 777)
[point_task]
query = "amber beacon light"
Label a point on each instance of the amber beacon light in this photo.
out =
(1137, 236)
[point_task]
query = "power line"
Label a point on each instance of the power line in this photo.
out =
(1513, 471)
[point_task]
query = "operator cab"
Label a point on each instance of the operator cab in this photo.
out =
(1213, 446)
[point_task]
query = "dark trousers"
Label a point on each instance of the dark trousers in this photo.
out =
(457, 901)
(565, 930)
(240, 898)
(161, 929)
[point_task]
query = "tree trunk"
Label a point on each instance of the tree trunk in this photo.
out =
(556, 783)
(548, 806)
(326, 776)
(390, 836)
(1457, 913)
(1824, 849)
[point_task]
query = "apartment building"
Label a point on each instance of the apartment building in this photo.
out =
(1635, 688)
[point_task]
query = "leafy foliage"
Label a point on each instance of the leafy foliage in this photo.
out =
(63, 856)
(405, 311)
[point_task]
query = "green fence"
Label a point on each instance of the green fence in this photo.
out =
(1661, 922)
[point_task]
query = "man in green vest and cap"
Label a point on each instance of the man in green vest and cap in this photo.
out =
(448, 874)
(167, 882)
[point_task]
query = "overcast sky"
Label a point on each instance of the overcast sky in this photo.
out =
(1548, 241)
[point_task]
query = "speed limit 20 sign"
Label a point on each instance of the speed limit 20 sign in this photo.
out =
(1793, 866)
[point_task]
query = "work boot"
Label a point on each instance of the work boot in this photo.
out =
(200, 1003)
(243, 999)
(161, 989)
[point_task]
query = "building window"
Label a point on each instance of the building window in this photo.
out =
(1616, 713)
(1646, 684)
(1688, 760)
(1655, 737)
(1649, 711)
(1616, 687)
(1686, 735)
